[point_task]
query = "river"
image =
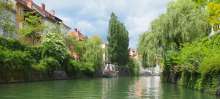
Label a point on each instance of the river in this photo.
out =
(100, 88)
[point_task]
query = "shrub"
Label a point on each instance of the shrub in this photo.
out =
(15, 63)
(15, 60)
(211, 65)
(54, 46)
(11, 44)
(47, 64)
(36, 52)
(80, 68)
(133, 66)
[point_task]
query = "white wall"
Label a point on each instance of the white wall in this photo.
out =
(12, 15)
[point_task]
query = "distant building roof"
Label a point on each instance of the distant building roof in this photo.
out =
(78, 35)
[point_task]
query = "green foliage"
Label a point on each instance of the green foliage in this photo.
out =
(33, 27)
(205, 2)
(199, 54)
(198, 63)
(147, 49)
(6, 5)
(90, 55)
(47, 64)
(54, 46)
(178, 40)
(134, 67)
(74, 66)
(74, 45)
(214, 13)
(11, 44)
(183, 22)
(117, 42)
(14, 58)
(211, 65)
(170, 62)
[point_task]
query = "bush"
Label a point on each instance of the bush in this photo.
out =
(11, 44)
(211, 65)
(73, 66)
(197, 63)
(134, 67)
(54, 46)
(36, 53)
(47, 64)
(14, 63)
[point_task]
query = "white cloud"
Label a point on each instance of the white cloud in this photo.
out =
(92, 16)
(66, 20)
(85, 26)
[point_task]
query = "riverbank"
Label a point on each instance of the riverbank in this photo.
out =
(185, 41)
(201, 73)
(50, 60)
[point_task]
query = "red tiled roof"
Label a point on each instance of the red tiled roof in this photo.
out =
(78, 35)
(39, 9)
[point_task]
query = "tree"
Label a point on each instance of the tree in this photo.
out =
(92, 56)
(183, 22)
(214, 15)
(90, 53)
(54, 46)
(117, 41)
(33, 27)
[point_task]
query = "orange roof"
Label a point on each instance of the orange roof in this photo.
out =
(78, 35)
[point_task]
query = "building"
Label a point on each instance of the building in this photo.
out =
(215, 30)
(4, 16)
(133, 53)
(77, 34)
(20, 7)
(104, 55)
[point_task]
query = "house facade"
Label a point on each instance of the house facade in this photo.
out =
(20, 7)
(215, 30)
(5, 12)
(133, 53)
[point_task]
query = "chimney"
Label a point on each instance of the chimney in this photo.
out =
(52, 12)
(43, 6)
(29, 3)
(76, 30)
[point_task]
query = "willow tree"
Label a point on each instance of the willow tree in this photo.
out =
(117, 41)
(183, 22)
(92, 56)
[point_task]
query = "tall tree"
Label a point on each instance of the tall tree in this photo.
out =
(183, 22)
(117, 42)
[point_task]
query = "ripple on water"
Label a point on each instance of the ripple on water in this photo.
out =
(111, 88)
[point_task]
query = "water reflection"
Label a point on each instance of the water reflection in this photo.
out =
(106, 88)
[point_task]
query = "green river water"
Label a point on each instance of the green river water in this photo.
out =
(100, 88)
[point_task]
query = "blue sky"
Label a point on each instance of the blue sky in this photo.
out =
(92, 16)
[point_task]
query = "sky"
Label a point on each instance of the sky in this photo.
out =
(91, 17)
